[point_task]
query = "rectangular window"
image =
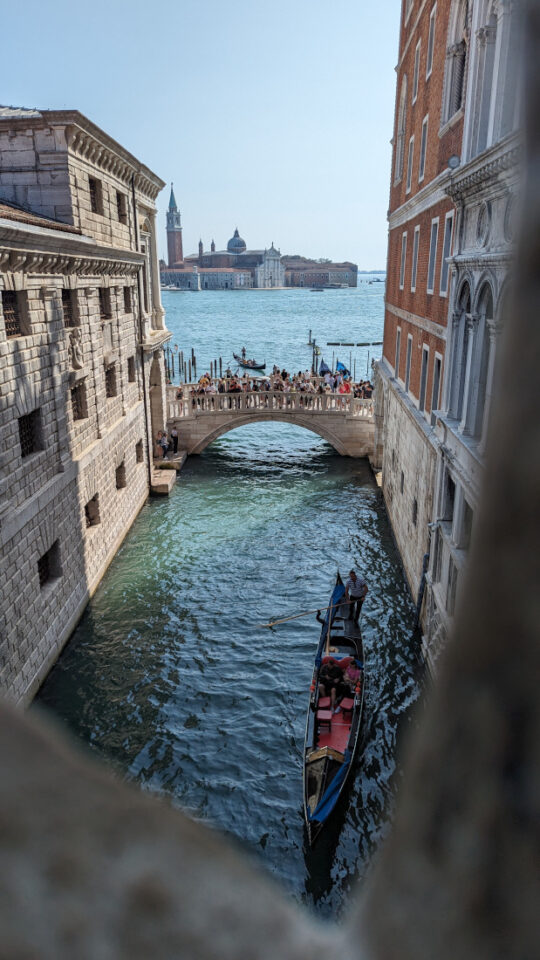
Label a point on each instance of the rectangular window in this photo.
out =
(447, 250)
(408, 362)
(78, 402)
(110, 380)
(436, 389)
(414, 268)
(139, 454)
(410, 158)
(131, 369)
(466, 526)
(121, 481)
(423, 378)
(449, 498)
(105, 303)
(91, 511)
(451, 588)
(127, 300)
(408, 8)
(432, 254)
(423, 147)
(121, 206)
(416, 72)
(437, 556)
(30, 433)
(96, 195)
(14, 314)
(403, 257)
(49, 565)
(398, 348)
(431, 42)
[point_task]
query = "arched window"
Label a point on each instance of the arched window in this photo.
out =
(400, 131)
(481, 361)
(460, 353)
(484, 92)
(456, 61)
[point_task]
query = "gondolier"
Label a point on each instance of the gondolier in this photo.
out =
(356, 589)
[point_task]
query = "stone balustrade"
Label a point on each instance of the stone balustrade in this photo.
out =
(267, 401)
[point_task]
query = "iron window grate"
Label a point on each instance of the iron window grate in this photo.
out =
(110, 381)
(105, 303)
(78, 402)
(67, 308)
(12, 315)
(29, 433)
(44, 569)
(127, 299)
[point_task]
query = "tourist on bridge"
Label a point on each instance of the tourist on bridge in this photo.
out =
(356, 589)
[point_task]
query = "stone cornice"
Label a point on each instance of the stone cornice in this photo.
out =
(480, 173)
(31, 249)
(433, 193)
(423, 323)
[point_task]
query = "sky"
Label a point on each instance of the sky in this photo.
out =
(274, 117)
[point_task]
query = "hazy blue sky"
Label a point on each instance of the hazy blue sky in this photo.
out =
(274, 117)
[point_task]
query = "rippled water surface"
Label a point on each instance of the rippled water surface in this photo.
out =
(169, 676)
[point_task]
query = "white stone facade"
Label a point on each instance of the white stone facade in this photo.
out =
(81, 375)
(271, 272)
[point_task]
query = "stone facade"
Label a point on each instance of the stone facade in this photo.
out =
(303, 272)
(81, 374)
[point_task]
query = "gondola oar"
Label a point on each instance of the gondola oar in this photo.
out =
(305, 613)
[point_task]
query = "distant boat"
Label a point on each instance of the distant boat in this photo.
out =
(317, 289)
(250, 364)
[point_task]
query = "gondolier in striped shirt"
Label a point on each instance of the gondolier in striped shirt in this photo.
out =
(355, 593)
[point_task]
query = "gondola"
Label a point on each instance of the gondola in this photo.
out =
(332, 739)
(250, 364)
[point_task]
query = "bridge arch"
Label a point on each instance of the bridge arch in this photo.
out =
(298, 421)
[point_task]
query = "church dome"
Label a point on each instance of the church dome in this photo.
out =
(236, 244)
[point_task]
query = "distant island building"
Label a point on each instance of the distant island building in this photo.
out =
(237, 268)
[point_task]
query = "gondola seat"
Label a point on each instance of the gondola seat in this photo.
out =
(324, 719)
(324, 703)
(347, 705)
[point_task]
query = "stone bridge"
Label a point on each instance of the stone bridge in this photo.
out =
(345, 422)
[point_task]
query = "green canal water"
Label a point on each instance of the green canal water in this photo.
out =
(168, 676)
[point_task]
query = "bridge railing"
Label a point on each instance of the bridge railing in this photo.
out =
(267, 401)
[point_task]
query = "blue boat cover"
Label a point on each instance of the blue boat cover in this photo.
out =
(324, 368)
(337, 596)
(330, 796)
(341, 368)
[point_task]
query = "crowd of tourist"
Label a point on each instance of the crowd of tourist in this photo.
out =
(281, 381)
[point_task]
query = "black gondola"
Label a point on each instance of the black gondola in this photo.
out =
(250, 364)
(332, 739)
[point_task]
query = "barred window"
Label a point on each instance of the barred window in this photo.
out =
(96, 195)
(127, 300)
(131, 369)
(105, 303)
(78, 402)
(91, 511)
(139, 455)
(121, 476)
(30, 433)
(49, 565)
(110, 380)
(121, 206)
(13, 314)
(67, 309)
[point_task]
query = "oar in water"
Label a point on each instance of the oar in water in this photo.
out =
(305, 613)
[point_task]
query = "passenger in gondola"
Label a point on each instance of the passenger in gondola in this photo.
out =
(331, 682)
(351, 676)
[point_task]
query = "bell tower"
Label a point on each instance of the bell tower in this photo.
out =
(174, 232)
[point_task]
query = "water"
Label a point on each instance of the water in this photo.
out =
(168, 676)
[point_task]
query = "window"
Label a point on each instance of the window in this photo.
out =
(447, 249)
(139, 453)
(451, 587)
(410, 163)
(398, 347)
(449, 498)
(432, 254)
(414, 269)
(431, 42)
(68, 311)
(408, 8)
(91, 511)
(403, 257)
(110, 380)
(456, 56)
(423, 378)
(49, 565)
(415, 512)
(400, 131)
(105, 303)
(30, 433)
(127, 300)
(466, 526)
(408, 362)
(416, 72)
(437, 556)
(436, 389)
(13, 306)
(131, 369)
(121, 476)
(78, 402)
(121, 206)
(401, 482)
(423, 148)
(96, 195)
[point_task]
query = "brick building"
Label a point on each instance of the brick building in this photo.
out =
(453, 176)
(81, 373)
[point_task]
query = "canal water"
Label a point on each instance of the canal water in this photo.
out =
(170, 677)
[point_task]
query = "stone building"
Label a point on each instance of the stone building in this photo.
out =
(452, 195)
(81, 373)
(303, 272)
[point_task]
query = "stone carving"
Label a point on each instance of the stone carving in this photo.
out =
(76, 349)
